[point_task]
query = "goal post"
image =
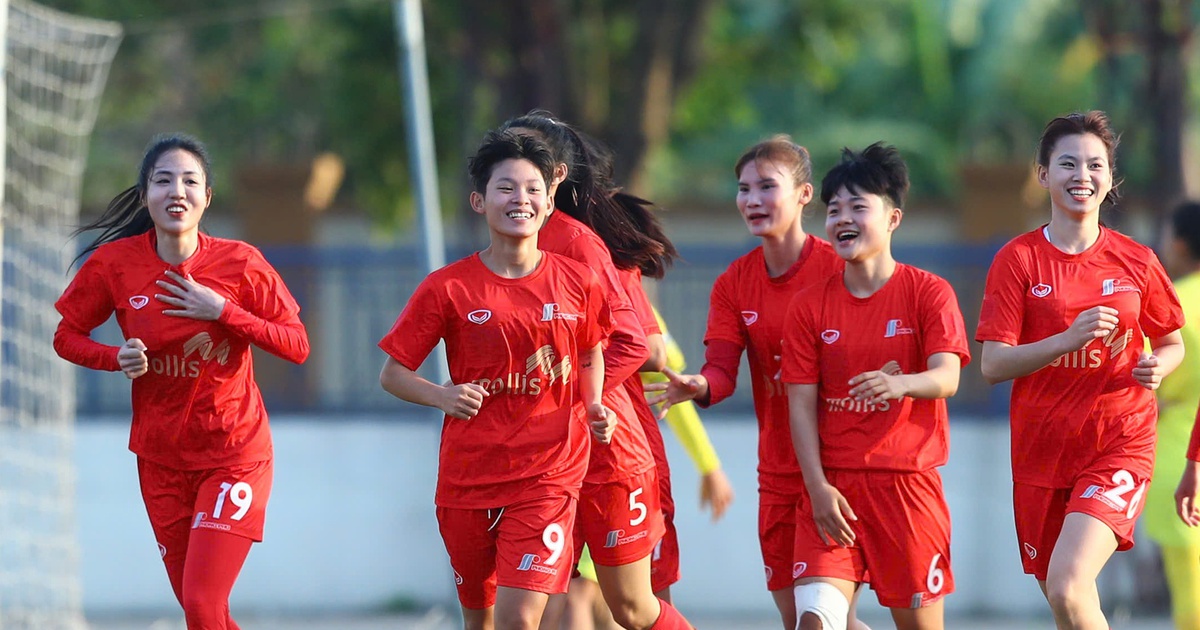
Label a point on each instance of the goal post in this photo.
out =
(55, 66)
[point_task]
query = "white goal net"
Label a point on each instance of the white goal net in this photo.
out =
(55, 69)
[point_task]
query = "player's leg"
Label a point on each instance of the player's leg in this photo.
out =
(470, 539)
(169, 497)
(581, 598)
(534, 558)
(1182, 568)
(627, 592)
(214, 560)
(823, 603)
(518, 608)
(664, 563)
(826, 577)
(931, 617)
(1083, 548)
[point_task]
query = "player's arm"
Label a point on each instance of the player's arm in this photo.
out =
(658, 354)
(1187, 494)
(830, 508)
(457, 401)
(601, 420)
(85, 305)
(1001, 362)
(1165, 355)
(939, 380)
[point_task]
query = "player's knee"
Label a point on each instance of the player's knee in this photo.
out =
(1068, 594)
(821, 606)
(204, 612)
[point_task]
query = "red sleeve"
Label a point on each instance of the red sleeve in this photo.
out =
(85, 305)
(598, 316)
(632, 281)
(1161, 312)
(1003, 310)
(1193, 452)
(724, 315)
(627, 350)
(721, 362)
(800, 351)
(942, 327)
(266, 313)
(418, 328)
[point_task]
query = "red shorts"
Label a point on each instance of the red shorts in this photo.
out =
(232, 499)
(902, 545)
(620, 521)
(1112, 495)
(526, 545)
(664, 564)
(777, 537)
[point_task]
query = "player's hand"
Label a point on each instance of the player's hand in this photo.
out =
(832, 514)
(602, 421)
(1148, 373)
(677, 388)
(715, 490)
(877, 386)
(1094, 323)
(192, 299)
(132, 358)
(1187, 495)
(462, 401)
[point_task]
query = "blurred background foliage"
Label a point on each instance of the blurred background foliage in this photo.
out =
(677, 87)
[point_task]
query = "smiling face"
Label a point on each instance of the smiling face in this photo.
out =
(860, 224)
(177, 193)
(515, 200)
(768, 198)
(1078, 174)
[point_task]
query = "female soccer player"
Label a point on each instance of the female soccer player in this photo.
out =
(1066, 310)
(189, 306)
(746, 314)
(1177, 403)
(869, 357)
(521, 328)
(620, 511)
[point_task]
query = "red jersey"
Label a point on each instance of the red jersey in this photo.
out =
(631, 280)
(832, 336)
(747, 308)
(1193, 452)
(1064, 414)
(628, 453)
(520, 339)
(198, 406)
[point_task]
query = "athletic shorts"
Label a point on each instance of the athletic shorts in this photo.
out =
(902, 544)
(777, 537)
(621, 521)
(526, 545)
(232, 499)
(664, 564)
(1111, 495)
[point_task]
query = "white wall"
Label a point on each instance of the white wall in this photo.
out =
(351, 523)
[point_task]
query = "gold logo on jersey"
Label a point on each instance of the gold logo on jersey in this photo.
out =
(545, 360)
(183, 365)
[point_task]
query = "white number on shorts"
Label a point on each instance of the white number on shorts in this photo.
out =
(1133, 503)
(937, 577)
(553, 538)
(637, 506)
(241, 497)
(1125, 483)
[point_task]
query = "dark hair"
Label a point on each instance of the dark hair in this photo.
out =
(626, 223)
(779, 149)
(127, 214)
(1185, 223)
(878, 170)
(1094, 122)
(498, 146)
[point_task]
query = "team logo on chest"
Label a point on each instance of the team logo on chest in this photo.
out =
(749, 317)
(138, 301)
(480, 316)
(1117, 285)
(552, 311)
(831, 335)
(1041, 290)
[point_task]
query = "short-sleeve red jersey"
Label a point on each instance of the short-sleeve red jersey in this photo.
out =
(832, 336)
(629, 452)
(747, 308)
(1063, 414)
(519, 338)
(1193, 452)
(631, 280)
(198, 406)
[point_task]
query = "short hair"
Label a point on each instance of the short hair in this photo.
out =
(498, 146)
(877, 169)
(779, 149)
(1185, 223)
